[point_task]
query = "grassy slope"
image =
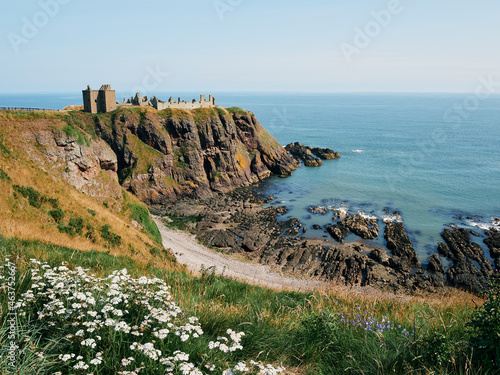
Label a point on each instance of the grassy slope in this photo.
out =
(22, 220)
(289, 327)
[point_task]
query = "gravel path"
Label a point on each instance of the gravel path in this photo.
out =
(194, 256)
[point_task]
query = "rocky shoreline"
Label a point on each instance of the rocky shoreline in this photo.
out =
(240, 222)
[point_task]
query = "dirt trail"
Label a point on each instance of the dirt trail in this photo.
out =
(194, 256)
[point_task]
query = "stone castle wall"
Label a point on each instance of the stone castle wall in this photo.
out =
(154, 102)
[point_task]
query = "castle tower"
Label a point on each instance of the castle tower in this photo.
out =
(89, 100)
(106, 99)
(96, 101)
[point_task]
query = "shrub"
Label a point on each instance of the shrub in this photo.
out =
(180, 222)
(92, 212)
(35, 199)
(74, 227)
(56, 214)
(28, 192)
(110, 237)
(4, 149)
(4, 176)
(485, 327)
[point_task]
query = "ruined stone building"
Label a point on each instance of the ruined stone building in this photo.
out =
(154, 102)
(98, 101)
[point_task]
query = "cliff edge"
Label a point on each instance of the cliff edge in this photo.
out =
(179, 153)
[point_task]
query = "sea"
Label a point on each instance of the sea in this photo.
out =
(430, 160)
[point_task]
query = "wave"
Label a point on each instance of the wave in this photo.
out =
(394, 218)
(358, 151)
(366, 216)
(493, 223)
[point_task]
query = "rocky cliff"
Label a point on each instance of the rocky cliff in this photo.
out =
(178, 153)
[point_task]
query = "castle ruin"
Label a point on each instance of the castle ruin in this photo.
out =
(98, 101)
(104, 100)
(158, 104)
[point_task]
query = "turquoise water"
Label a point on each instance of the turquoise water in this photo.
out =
(399, 152)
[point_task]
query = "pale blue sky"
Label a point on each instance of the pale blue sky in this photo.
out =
(250, 45)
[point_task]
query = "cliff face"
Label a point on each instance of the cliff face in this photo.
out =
(176, 153)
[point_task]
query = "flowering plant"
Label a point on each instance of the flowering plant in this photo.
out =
(119, 324)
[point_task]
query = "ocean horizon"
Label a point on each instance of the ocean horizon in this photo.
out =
(432, 159)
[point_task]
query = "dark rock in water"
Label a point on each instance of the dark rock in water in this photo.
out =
(303, 153)
(366, 228)
(474, 233)
(493, 243)
(443, 249)
(337, 232)
(317, 227)
(404, 256)
(318, 210)
(281, 210)
(324, 153)
(269, 199)
(466, 257)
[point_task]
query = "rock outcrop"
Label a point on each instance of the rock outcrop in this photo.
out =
(404, 255)
(362, 226)
(178, 153)
(91, 167)
(324, 153)
(436, 270)
(470, 269)
(493, 243)
(303, 153)
(309, 155)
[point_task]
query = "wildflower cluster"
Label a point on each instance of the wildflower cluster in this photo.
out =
(363, 320)
(124, 325)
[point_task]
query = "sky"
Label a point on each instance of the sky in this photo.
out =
(249, 45)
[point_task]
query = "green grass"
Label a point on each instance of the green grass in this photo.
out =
(300, 330)
(4, 149)
(31, 115)
(180, 222)
(237, 110)
(4, 176)
(74, 132)
(140, 213)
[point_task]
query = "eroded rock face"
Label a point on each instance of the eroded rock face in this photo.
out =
(470, 269)
(176, 154)
(92, 169)
(404, 255)
(364, 227)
